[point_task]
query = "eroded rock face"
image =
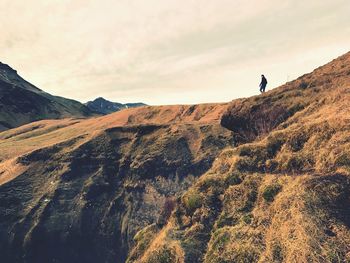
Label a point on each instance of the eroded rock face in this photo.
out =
(251, 118)
(85, 202)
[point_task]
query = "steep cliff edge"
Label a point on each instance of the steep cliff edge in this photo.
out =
(79, 190)
(282, 194)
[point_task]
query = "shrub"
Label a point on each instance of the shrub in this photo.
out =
(163, 255)
(295, 163)
(233, 179)
(178, 215)
(247, 218)
(271, 165)
(226, 220)
(249, 203)
(245, 151)
(192, 200)
(271, 191)
(252, 150)
(221, 239)
(245, 164)
(295, 108)
(343, 160)
(246, 254)
(274, 144)
(297, 142)
(168, 207)
(208, 183)
(335, 256)
(255, 162)
(277, 253)
(303, 85)
(193, 247)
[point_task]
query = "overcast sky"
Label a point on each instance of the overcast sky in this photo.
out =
(169, 51)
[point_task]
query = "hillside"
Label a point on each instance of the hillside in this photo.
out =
(260, 179)
(103, 106)
(281, 195)
(79, 190)
(22, 102)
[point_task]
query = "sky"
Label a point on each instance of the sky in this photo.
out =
(169, 51)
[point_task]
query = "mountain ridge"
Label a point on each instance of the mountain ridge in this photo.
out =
(21, 102)
(102, 106)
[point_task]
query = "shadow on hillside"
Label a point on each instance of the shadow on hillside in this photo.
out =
(331, 194)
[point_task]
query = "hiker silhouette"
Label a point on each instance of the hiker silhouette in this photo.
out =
(263, 84)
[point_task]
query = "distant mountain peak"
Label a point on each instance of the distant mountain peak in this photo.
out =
(7, 67)
(103, 106)
(100, 98)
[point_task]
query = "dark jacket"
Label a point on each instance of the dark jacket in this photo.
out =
(263, 81)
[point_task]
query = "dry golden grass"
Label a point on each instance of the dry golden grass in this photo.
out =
(72, 133)
(163, 249)
(44, 133)
(283, 195)
(10, 169)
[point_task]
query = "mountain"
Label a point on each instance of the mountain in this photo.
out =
(103, 106)
(260, 179)
(22, 102)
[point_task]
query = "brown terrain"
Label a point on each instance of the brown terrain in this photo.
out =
(281, 194)
(78, 190)
(260, 179)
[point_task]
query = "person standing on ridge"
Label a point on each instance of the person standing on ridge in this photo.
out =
(263, 84)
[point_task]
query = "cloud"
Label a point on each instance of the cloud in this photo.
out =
(167, 51)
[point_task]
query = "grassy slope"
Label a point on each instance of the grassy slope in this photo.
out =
(281, 195)
(77, 190)
(40, 134)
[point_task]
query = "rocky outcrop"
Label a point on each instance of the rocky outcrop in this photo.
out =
(258, 115)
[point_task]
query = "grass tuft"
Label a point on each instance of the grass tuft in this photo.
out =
(271, 191)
